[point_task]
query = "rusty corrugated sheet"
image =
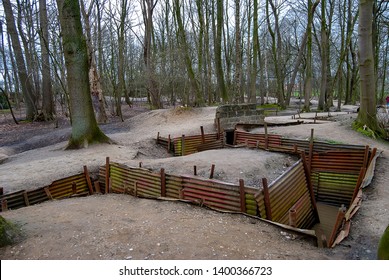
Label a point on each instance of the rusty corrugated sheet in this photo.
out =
(289, 191)
(211, 193)
(257, 140)
(191, 143)
(136, 181)
(37, 196)
(173, 186)
(64, 187)
(218, 144)
(14, 200)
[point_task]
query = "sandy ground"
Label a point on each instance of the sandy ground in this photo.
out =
(123, 227)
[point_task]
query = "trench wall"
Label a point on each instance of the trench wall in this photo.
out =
(326, 172)
(75, 185)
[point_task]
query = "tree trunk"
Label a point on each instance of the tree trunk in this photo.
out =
(85, 130)
(238, 57)
(94, 77)
(47, 92)
(367, 111)
(183, 44)
(152, 88)
(25, 81)
(218, 50)
(323, 56)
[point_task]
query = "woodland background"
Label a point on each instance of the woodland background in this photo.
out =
(191, 52)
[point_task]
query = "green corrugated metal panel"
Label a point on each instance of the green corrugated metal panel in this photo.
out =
(134, 180)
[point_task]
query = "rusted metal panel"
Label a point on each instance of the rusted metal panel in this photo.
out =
(289, 191)
(218, 144)
(37, 196)
(14, 200)
(63, 187)
(191, 143)
(124, 179)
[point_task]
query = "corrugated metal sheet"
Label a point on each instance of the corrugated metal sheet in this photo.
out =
(212, 193)
(58, 189)
(64, 187)
(135, 181)
(257, 140)
(14, 200)
(191, 143)
(286, 192)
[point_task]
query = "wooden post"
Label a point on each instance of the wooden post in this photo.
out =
(212, 171)
(293, 217)
(266, 138)
(195, 170)
(372, 155)
(366, 157)
(183, 145)
(311, 150)
(163, 183)
(135, 188)
(358, 185)
(242, 196)
(314, 120)
(218, 128)
(202, 135)
(107, 174)
(4, 205)
(48, 193)
(338, 223)
(88, 180)
(97, 187)
(26, 201)
(158, 137)
(310, 187)
(74, 187)
(168, 143)
(110, 185)
(266, 195)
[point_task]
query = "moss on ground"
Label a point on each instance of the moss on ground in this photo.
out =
(9, 232)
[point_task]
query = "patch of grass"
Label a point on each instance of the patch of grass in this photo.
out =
(269, 106)
(9, 232)
(365, 130)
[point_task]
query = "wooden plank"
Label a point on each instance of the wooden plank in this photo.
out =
(242, 196)
(267, 199)
(88, 180)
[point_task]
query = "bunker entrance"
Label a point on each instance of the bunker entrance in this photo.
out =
(229, 136)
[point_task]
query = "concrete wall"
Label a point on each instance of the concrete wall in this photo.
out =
(230, 115)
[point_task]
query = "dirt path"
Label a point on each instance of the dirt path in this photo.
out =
(124, 227)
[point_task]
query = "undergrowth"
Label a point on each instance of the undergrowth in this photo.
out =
(9, 233)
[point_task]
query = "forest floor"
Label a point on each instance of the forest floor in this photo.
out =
(122, 227)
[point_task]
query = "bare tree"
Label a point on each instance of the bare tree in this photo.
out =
(48, 110)
(367, 113)
(85, 130)
(148, 7)
(25, 79)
